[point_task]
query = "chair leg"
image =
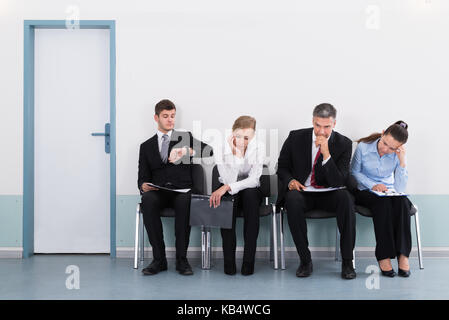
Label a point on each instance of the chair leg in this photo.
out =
(271, 242)
(142, 239)
(205, 248)
(418, 239)
(275, 236)
(337, 244)
(136, 238)
(281, 230)
(353, 258)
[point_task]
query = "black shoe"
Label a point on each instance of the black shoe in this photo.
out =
(403, 273)
(230, 267)
(347, 270)
(247, 268)
(155, 267)
(304, 269)
(183, 267)
(388, 273)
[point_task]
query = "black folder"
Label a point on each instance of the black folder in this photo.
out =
(203, 215)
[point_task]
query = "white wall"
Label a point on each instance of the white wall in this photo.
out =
(274, 60)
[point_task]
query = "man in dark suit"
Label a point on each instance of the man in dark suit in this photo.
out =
(165, 160)
(317, 157)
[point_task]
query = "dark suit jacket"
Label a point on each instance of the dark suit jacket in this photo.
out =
(295, 161)
(174, 175)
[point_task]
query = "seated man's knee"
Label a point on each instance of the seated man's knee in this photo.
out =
(344, 196)
(294, 197)
(150, 199)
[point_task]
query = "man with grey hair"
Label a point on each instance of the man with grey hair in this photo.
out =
(317, 157)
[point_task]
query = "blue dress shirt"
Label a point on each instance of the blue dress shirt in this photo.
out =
(370, 169)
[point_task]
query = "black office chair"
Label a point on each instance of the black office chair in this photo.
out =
(266, 208)
(199, 187)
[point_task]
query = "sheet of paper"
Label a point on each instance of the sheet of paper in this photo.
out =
(389, 193)
(168, 189)
(313, 189)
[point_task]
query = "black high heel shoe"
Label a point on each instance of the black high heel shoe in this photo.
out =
(388, 273)
(403, 273)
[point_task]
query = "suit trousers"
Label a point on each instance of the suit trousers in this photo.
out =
(247, 200)
(339, 201)
(153, 202)
(391, 219)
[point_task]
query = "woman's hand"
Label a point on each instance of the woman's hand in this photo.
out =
(215, 198)
(235, 151)
(400, 152)
(380, 188)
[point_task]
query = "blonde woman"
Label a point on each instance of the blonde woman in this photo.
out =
(240, 168)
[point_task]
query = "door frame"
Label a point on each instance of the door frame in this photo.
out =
(28, 125)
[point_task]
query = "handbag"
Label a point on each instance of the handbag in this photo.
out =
(201, 214)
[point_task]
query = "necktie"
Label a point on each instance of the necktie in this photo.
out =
(312, 179)
(164, 148)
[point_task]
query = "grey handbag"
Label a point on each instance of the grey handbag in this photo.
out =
(203, 215)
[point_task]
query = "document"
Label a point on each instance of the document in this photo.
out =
(313, 189)
(168, 189)
(388, 193)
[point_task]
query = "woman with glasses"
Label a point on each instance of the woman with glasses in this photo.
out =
(240, 168)
(379, 164)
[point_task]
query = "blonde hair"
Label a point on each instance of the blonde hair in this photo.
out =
(244, 122)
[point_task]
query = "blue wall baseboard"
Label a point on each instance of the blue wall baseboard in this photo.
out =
(433, 216)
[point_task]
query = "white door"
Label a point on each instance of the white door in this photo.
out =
(72, 187)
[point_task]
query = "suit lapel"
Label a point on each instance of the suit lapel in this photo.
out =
(331, 142)
(308, 152)
(155, 148)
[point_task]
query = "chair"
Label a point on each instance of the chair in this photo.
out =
(413, 212)
(199, 187)
(266, 209)
(312, 214)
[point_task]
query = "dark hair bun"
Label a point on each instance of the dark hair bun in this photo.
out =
(402, 124)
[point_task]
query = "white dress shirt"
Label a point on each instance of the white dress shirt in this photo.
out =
(314, 152)
(241, 173)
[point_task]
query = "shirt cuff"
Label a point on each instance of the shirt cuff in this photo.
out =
(325, 161)
(233, 188)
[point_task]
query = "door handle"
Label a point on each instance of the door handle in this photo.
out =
(107, 137)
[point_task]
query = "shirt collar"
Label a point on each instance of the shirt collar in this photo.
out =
(160, 134)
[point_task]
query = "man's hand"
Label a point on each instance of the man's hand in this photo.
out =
(380, 188)
(178, 153)
(324, 146)
(145, 187)
(295, 185)
(215, 198)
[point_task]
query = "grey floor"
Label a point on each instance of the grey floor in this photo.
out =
(101, 277)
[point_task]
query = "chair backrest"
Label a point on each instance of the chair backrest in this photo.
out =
(264, 181)
(198, 179)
